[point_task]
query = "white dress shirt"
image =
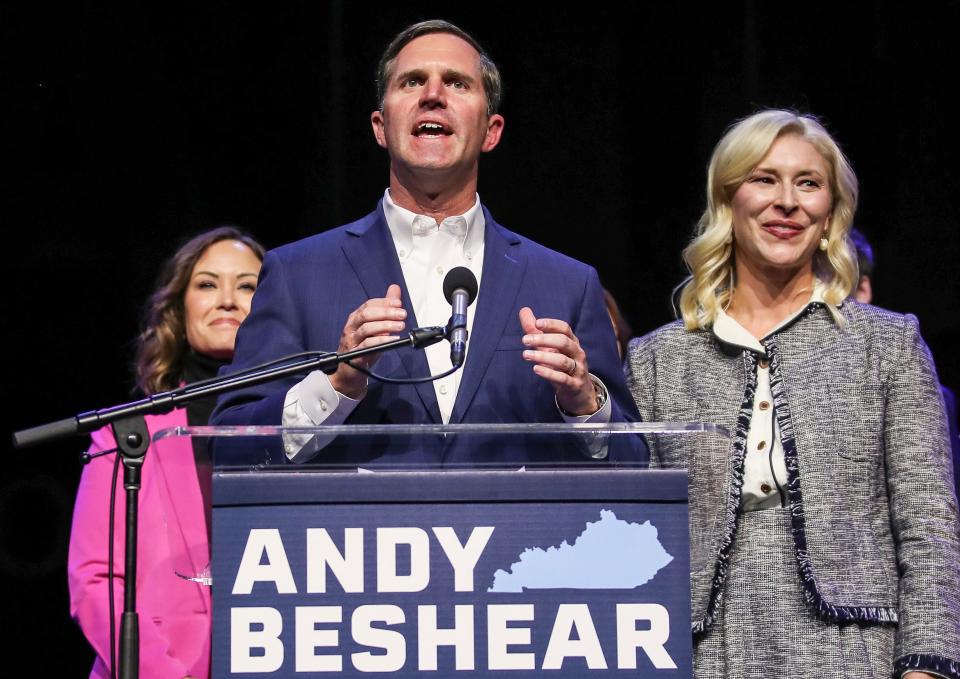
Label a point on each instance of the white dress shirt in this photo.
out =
(764, 471)
(427, 251)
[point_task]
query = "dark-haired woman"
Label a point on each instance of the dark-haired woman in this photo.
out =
(203, 295)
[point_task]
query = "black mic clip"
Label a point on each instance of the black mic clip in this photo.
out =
(456, 321)
(424, 337)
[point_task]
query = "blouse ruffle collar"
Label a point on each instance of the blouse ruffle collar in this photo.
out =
(730, 332)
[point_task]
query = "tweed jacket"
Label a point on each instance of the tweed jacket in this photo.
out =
(869, 474)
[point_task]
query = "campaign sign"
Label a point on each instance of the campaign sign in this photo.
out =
(511, 574)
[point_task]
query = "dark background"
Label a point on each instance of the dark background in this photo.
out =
(128, 126)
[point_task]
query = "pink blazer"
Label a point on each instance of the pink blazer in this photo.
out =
(174, 613)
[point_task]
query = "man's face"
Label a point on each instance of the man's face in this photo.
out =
(434, 121)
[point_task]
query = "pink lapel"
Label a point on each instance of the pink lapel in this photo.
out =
(183, 503)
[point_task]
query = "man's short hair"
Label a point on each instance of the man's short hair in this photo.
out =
(490, 75)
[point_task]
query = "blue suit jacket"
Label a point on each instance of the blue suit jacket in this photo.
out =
(308, 288)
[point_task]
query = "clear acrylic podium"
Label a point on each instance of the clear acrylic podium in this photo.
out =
(458, 550)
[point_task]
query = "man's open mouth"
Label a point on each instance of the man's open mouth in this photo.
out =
(432, 129)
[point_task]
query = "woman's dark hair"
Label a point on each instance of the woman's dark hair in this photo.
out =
(162, 344)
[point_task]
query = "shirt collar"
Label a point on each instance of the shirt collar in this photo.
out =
(729, 331)
(405, 224)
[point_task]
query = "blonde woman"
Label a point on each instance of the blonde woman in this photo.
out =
(824, 539)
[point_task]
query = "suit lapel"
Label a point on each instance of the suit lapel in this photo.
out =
(503, 268)
(373, 257)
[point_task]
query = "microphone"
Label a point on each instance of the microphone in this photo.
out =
(460, 289)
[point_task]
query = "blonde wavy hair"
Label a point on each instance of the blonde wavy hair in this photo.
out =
(162, 344)
(710, 255)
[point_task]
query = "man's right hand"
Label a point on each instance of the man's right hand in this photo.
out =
(374, 322)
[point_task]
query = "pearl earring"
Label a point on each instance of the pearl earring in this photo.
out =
(824, 243)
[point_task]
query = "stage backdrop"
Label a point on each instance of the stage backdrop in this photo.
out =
(128, 126)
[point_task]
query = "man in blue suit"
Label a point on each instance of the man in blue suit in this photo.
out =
(541, 346)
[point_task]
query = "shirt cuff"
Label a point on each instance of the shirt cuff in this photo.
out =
(602, 416)
(310, 403)
(597, 444)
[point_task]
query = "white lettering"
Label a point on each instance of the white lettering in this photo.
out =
(309, 638)
(587, 644)
(652, 641)
(500, 636)
(243, 639)
(388, 580)
(348, 567)
(262, 541)
(390, 640)
(460, 637)
(463, 558)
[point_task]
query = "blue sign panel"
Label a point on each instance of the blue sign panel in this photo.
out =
(497, 588)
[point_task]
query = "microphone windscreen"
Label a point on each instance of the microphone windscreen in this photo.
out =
(460, 277)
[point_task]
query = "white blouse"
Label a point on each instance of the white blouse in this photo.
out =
(764, 472)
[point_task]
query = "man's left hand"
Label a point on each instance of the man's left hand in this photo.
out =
(557, 357)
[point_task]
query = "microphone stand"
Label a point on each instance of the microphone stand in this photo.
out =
(130, 432)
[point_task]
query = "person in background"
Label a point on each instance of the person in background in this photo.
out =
(621, 328)
(824, 535)
(202, 297)
(864, 294)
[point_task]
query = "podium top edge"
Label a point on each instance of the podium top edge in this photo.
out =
(615, 428)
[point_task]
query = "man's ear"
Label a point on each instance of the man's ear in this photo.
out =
(377, 123)
(494, 130)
